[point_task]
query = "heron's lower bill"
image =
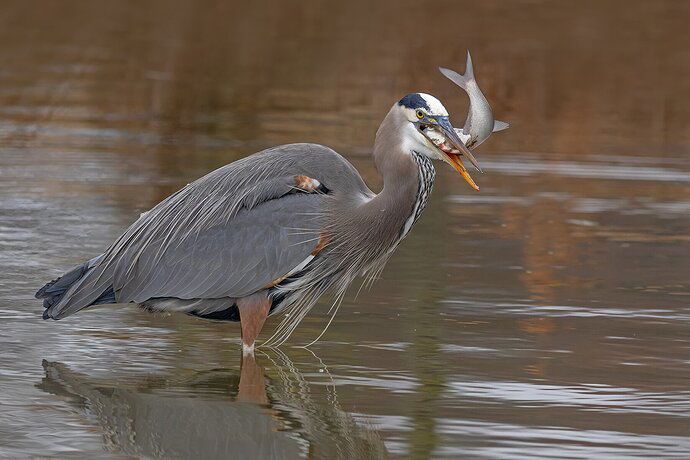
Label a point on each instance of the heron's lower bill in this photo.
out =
(456, 163)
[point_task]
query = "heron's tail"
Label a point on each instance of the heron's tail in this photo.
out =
(82, 286)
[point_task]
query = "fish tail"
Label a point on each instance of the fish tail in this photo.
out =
(461, 80)
(469, 69)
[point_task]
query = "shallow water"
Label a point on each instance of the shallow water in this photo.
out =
(548, 315)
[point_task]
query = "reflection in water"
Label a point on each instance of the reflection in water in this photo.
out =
(216, 414)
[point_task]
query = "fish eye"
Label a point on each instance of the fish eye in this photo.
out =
(419, 114)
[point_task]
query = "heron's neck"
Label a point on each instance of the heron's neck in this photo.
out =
(426, 175)
(408, 178)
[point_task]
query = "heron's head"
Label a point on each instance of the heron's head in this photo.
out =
(426, 129)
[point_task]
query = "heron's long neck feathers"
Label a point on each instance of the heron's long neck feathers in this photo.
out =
(372, 228)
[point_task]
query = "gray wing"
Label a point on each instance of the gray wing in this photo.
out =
(233, 259)
(227, 234)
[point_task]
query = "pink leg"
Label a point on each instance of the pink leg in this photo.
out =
(253, 312)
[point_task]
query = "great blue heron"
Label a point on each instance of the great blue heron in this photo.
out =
(271, 232)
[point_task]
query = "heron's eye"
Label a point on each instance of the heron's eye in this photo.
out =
(419, 114)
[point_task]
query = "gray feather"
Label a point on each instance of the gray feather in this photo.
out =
(233, 259)
(211, 238)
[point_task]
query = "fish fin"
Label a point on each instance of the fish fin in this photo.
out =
(454, 77)
(500, 126)
(460, 80)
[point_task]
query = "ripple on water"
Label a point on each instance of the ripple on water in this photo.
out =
(544, 317)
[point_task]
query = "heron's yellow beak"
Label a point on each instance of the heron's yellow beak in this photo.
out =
(456, 163)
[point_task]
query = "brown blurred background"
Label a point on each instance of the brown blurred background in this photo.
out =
(573, 78)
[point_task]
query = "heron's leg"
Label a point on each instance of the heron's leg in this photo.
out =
(253, 312)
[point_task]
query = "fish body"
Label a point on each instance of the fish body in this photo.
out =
(480, 121)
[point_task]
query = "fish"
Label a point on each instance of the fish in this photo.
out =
(480, 121)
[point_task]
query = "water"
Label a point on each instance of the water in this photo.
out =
(548, 315)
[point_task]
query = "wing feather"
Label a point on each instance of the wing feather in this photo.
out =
(232, 259)
(228, 234)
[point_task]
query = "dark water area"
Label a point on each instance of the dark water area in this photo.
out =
(548, 315)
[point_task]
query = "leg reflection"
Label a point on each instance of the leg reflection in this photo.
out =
(175, 415)
(252, 387)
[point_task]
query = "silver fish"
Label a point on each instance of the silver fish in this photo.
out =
(480, 121)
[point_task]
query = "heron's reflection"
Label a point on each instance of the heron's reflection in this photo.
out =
(218, 413)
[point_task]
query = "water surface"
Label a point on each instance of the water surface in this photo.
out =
(547, 315)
